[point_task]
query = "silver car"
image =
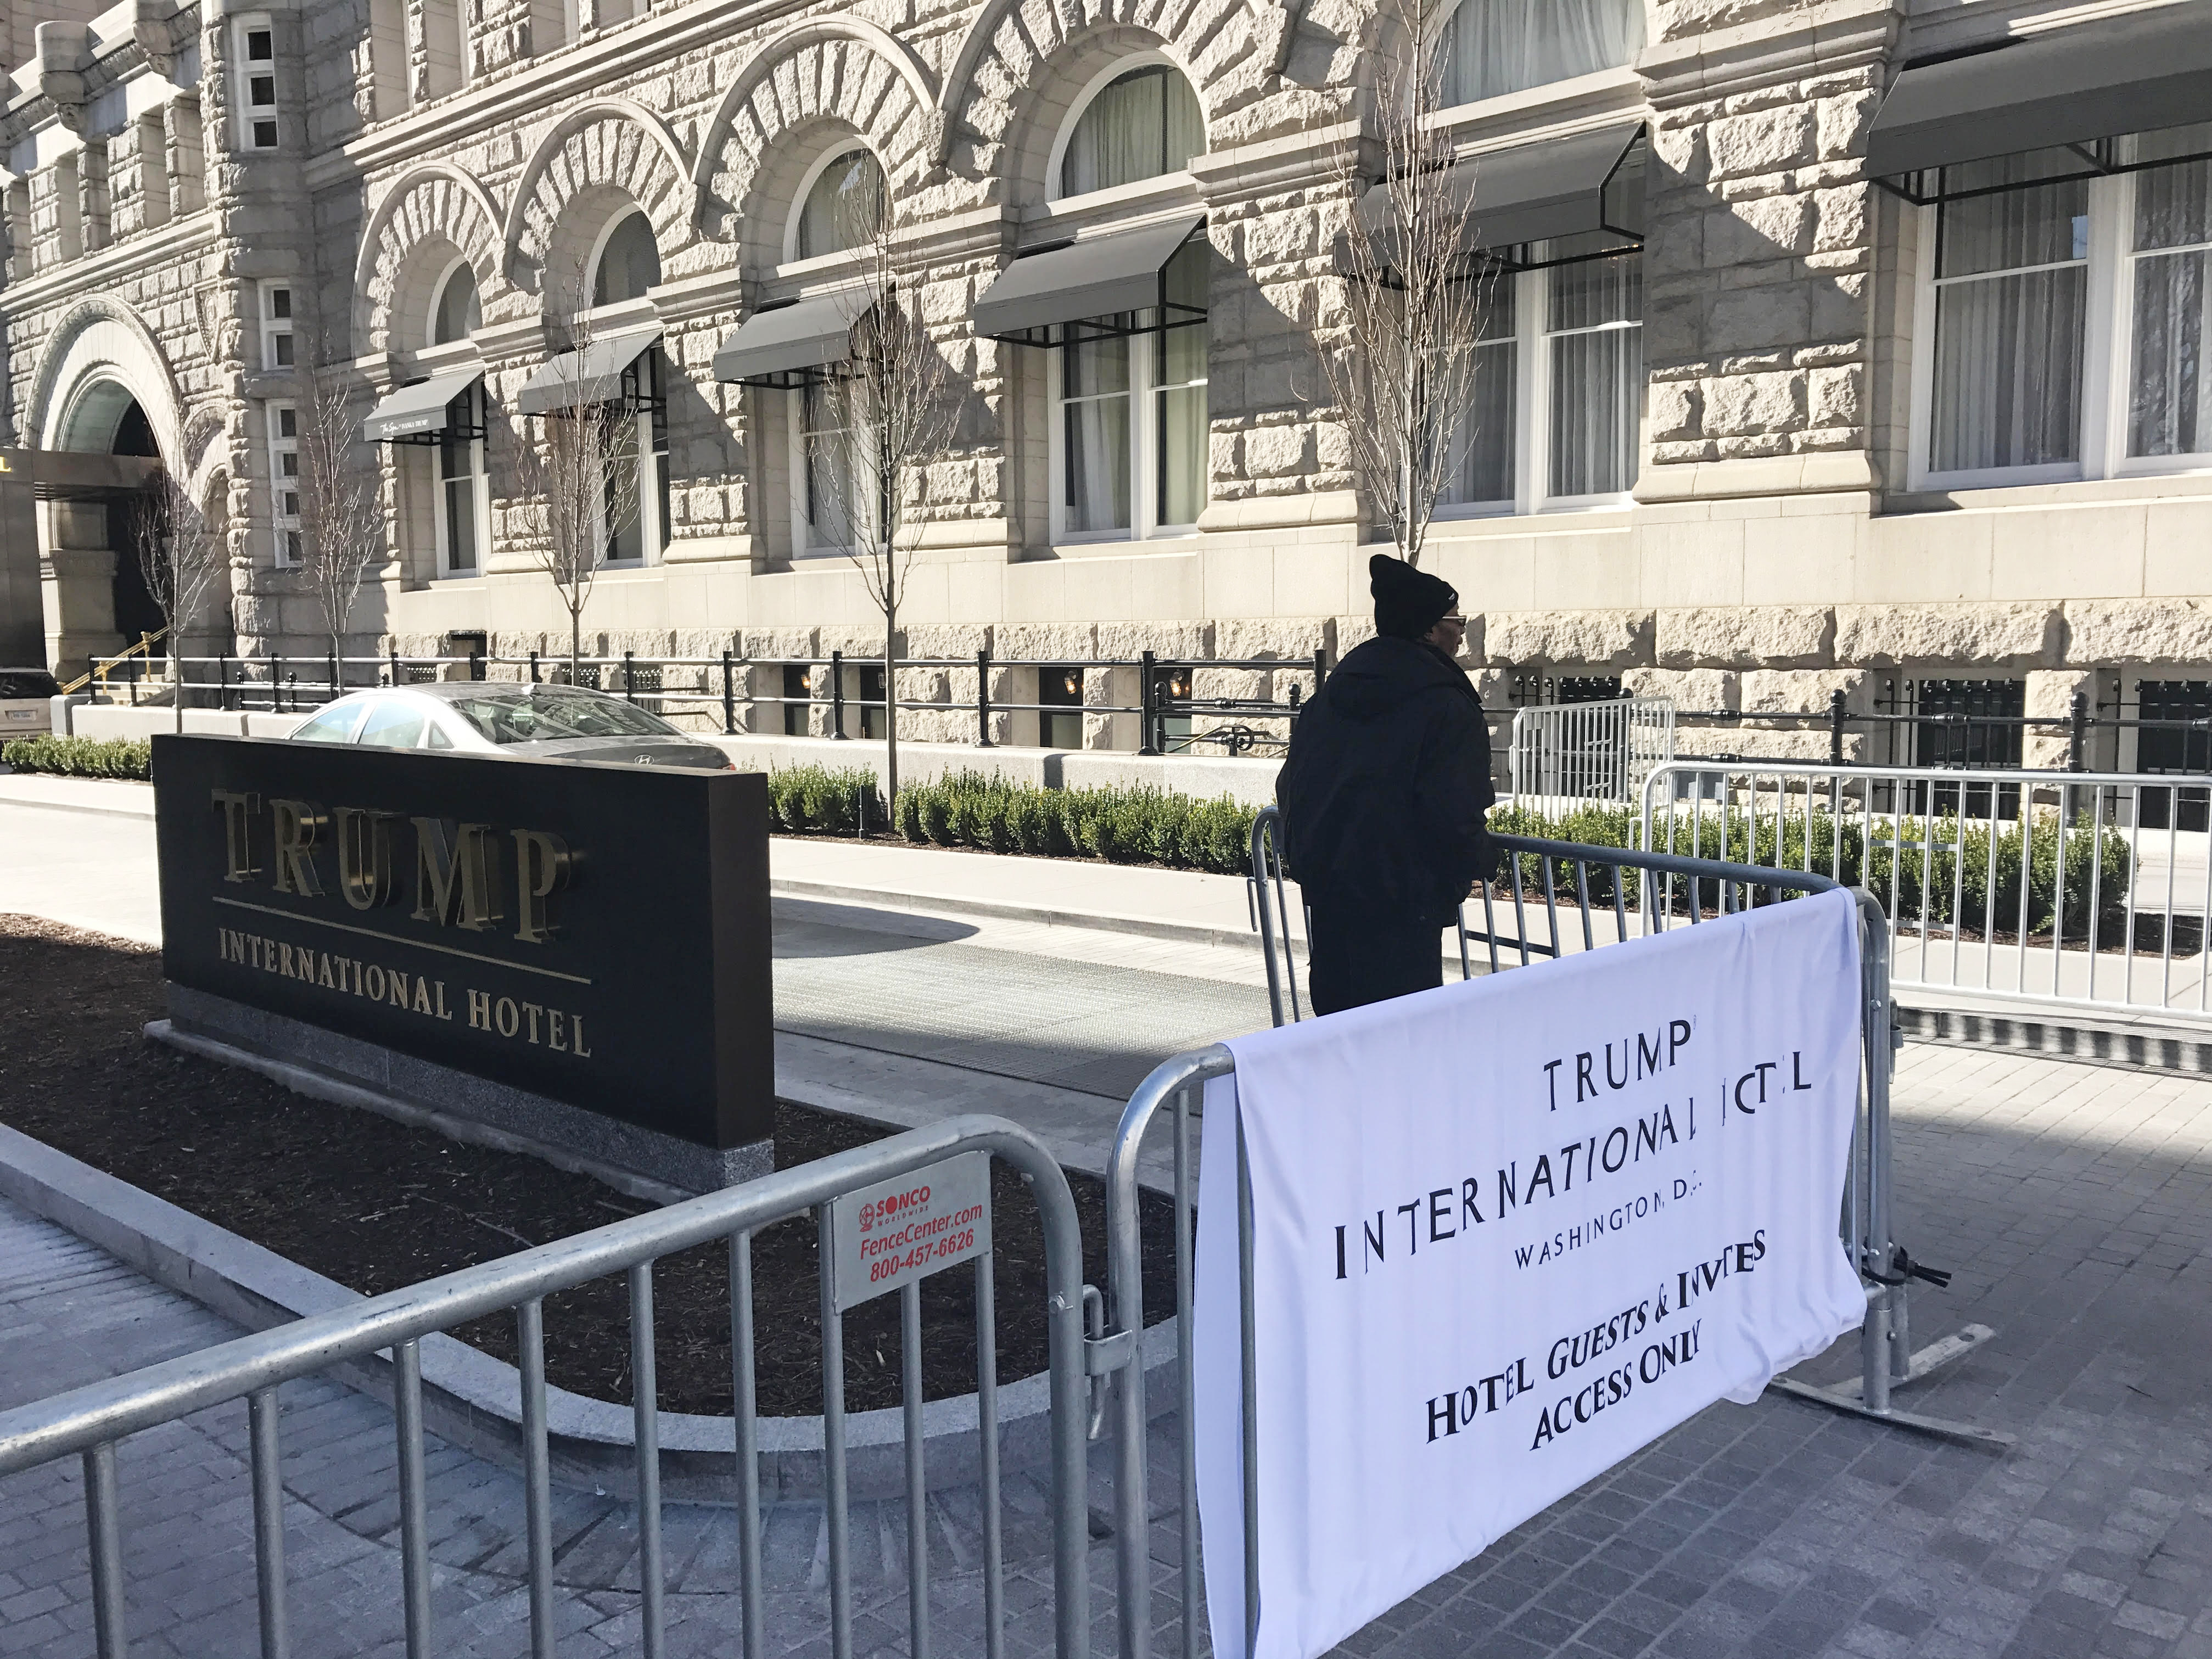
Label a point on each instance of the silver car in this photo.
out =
(495, 717)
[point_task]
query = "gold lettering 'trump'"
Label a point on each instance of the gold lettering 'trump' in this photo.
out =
(454, 877)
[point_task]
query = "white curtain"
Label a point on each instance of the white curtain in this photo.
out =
(831, 468)
(1095, 407)
(2170, 410)
(1492, 47)
(1179, 374)
(2013, 269)
(1480, 470)
(1596, 323)
(1140, 126)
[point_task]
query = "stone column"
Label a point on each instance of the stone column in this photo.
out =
(76, 576)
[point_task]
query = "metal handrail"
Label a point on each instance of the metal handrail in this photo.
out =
(88, 1421)
(102, 666)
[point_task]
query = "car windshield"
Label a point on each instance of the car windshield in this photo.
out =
(556, 712)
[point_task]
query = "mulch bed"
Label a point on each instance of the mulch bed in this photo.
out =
(377, 1205)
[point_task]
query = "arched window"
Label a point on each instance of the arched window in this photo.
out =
(1138, 125)
(841, 206)
(629, 262)
(457, 315)
(1492, 47)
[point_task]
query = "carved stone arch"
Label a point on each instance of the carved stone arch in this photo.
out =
(838, 68)
(608, 144)
(98, 339)
(433, 206)
(1008, 47)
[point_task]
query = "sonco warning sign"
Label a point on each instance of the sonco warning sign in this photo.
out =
(901, 1230)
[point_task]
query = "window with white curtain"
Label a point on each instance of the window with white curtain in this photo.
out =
(1129, 444)
(2063, 321)
(1142, 124)
(1492, 47)
(2170, 284)
(826, 460)
(841, 205)
(1557, 390)
(461, 507)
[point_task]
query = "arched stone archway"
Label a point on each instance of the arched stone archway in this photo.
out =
(104, 392)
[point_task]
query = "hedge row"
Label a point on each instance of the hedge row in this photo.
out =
(81, 757)
(1939, 865)
(971, 809)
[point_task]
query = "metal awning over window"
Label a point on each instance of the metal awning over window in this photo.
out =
(1552, 202)
(423, 413)
(1097, 288)
(596, 374)
(792, 344)
(2076, 95)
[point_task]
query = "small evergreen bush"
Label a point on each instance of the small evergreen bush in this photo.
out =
(81, 757)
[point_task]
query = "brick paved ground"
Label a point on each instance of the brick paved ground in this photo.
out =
(2070, 1199)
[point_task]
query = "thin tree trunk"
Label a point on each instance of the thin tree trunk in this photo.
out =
(575, 645)
(891, 691)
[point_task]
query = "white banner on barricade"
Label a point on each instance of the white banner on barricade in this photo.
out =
(1506, 1232)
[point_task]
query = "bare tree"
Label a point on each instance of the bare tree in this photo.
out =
(1401, 366)
(342, 506)
(884, 414)
(586, 471)
(181, 557)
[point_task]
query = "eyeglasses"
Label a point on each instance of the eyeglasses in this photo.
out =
(1455, 620)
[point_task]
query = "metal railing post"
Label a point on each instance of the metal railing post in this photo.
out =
(395, 664)
(983, 698)
(729, 699)
(337, 690)
(1148, 697)
(2077, 732)
(837, 695)
(276, 684)
(534, 668)
(630, 677)
(1836, 727)
(223, 682)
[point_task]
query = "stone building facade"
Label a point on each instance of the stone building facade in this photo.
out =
(1811, 487)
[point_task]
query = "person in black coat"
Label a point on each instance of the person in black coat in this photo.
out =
(1383, 796)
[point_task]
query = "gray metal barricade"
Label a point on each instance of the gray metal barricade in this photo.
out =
(90, 1422)
(1680, 885)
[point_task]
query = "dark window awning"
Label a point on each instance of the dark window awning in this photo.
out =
(1555, 201)
(1095, 287)
(786, 346)
(590, 374)
(2079, 87)
(422, 412)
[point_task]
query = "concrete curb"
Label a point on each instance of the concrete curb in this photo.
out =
(473, 1401)
(2177, 1050)
(1180, 933)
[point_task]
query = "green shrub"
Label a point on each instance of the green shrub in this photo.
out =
(814, 798)
(81, 757)
(1939, 865)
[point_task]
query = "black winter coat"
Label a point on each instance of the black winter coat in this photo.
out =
(1386, 786)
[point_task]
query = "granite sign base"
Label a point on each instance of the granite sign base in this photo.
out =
(323, 1063)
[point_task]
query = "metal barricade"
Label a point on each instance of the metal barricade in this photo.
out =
(1601, 887)
(1589, 751)
(90, 1422)
(2085, 889)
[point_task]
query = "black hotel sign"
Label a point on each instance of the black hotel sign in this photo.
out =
(598, 934)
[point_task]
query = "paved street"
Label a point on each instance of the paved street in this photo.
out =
(2070, 1200)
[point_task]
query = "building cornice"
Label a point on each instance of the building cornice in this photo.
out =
(540, 90)
(111, 266)
(1818, 39)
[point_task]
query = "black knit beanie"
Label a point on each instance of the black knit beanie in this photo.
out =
(1407, 602)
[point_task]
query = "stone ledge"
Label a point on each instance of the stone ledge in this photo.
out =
(473, 1401)
(2150, 1048)
(1820, 473)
